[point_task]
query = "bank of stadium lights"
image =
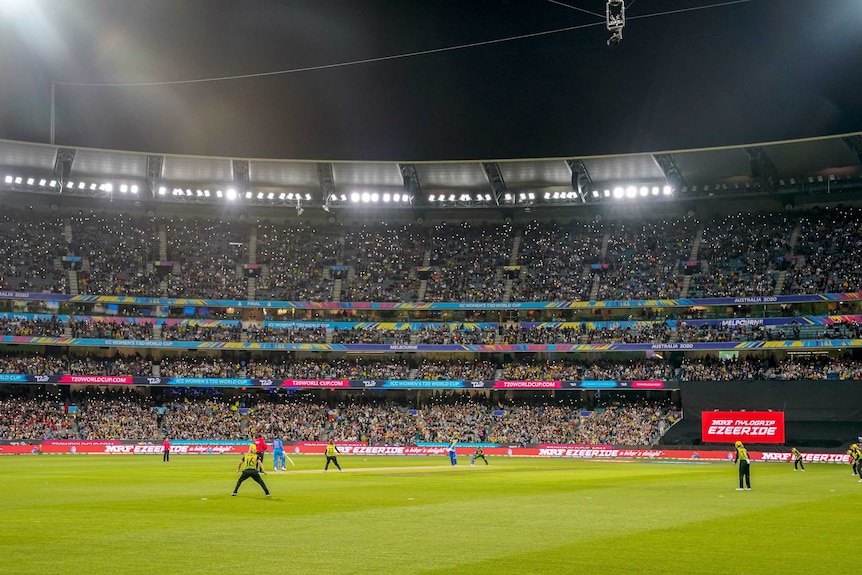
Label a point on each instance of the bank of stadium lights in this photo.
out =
(29, 182)
(459, 198)
(561, 195)
(635, 192)
(371, 198)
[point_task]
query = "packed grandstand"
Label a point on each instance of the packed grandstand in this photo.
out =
(131, 325)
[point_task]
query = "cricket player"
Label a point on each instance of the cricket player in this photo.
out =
(741, 458)
(331, 457)
(478, 454)
(278, 459)
(250, 466)
(797, 459)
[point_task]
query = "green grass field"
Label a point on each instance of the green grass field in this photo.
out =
(397, 515)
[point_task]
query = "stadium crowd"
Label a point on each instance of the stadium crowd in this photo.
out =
(198, 415)
(353, 368)
(743, 254)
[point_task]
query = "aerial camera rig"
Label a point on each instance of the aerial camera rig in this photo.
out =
(615, 13)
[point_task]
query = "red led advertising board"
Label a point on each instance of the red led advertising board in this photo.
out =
(745, 426)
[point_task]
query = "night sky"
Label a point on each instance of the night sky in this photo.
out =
(751, 71)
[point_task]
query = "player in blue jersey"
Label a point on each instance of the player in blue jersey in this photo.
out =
(278, 459)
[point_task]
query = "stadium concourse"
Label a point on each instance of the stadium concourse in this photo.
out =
(523, 332)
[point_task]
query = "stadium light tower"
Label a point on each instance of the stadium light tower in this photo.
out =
(615, 14)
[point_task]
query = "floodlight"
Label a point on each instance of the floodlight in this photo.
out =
(42, 182)
(30, 181)
(354, 197)
(386, 198)
(18, 180)
(644, 191)
(366, 197)
(375, 197)
(8, 179)
(134, 189)
(162, 190)
(619, 192)
(667, 190)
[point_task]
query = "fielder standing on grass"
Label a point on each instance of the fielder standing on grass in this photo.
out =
(331, 450)
(250, 466)
(166, 450)
(453, 453)
(478, 454)
(741, 458)
(797, 459)
(855, 457)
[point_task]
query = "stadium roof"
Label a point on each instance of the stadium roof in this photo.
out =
(793, 167)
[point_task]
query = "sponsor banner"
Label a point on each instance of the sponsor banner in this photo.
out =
(209, 382)
(598, 384)
(652, 384)
(753, 426)
(142, 448)
(393, 450)
(423, 384)
(574, 451)
(524, 384)
(315, 383)
(806, 457)
(573, 446)
(97, 379)
(70, 379)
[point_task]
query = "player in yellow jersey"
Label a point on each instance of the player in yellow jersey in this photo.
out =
(797, 459)
(856, 457)
(331, 456)
(741, 458)
(478, 454)
(252, 467)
